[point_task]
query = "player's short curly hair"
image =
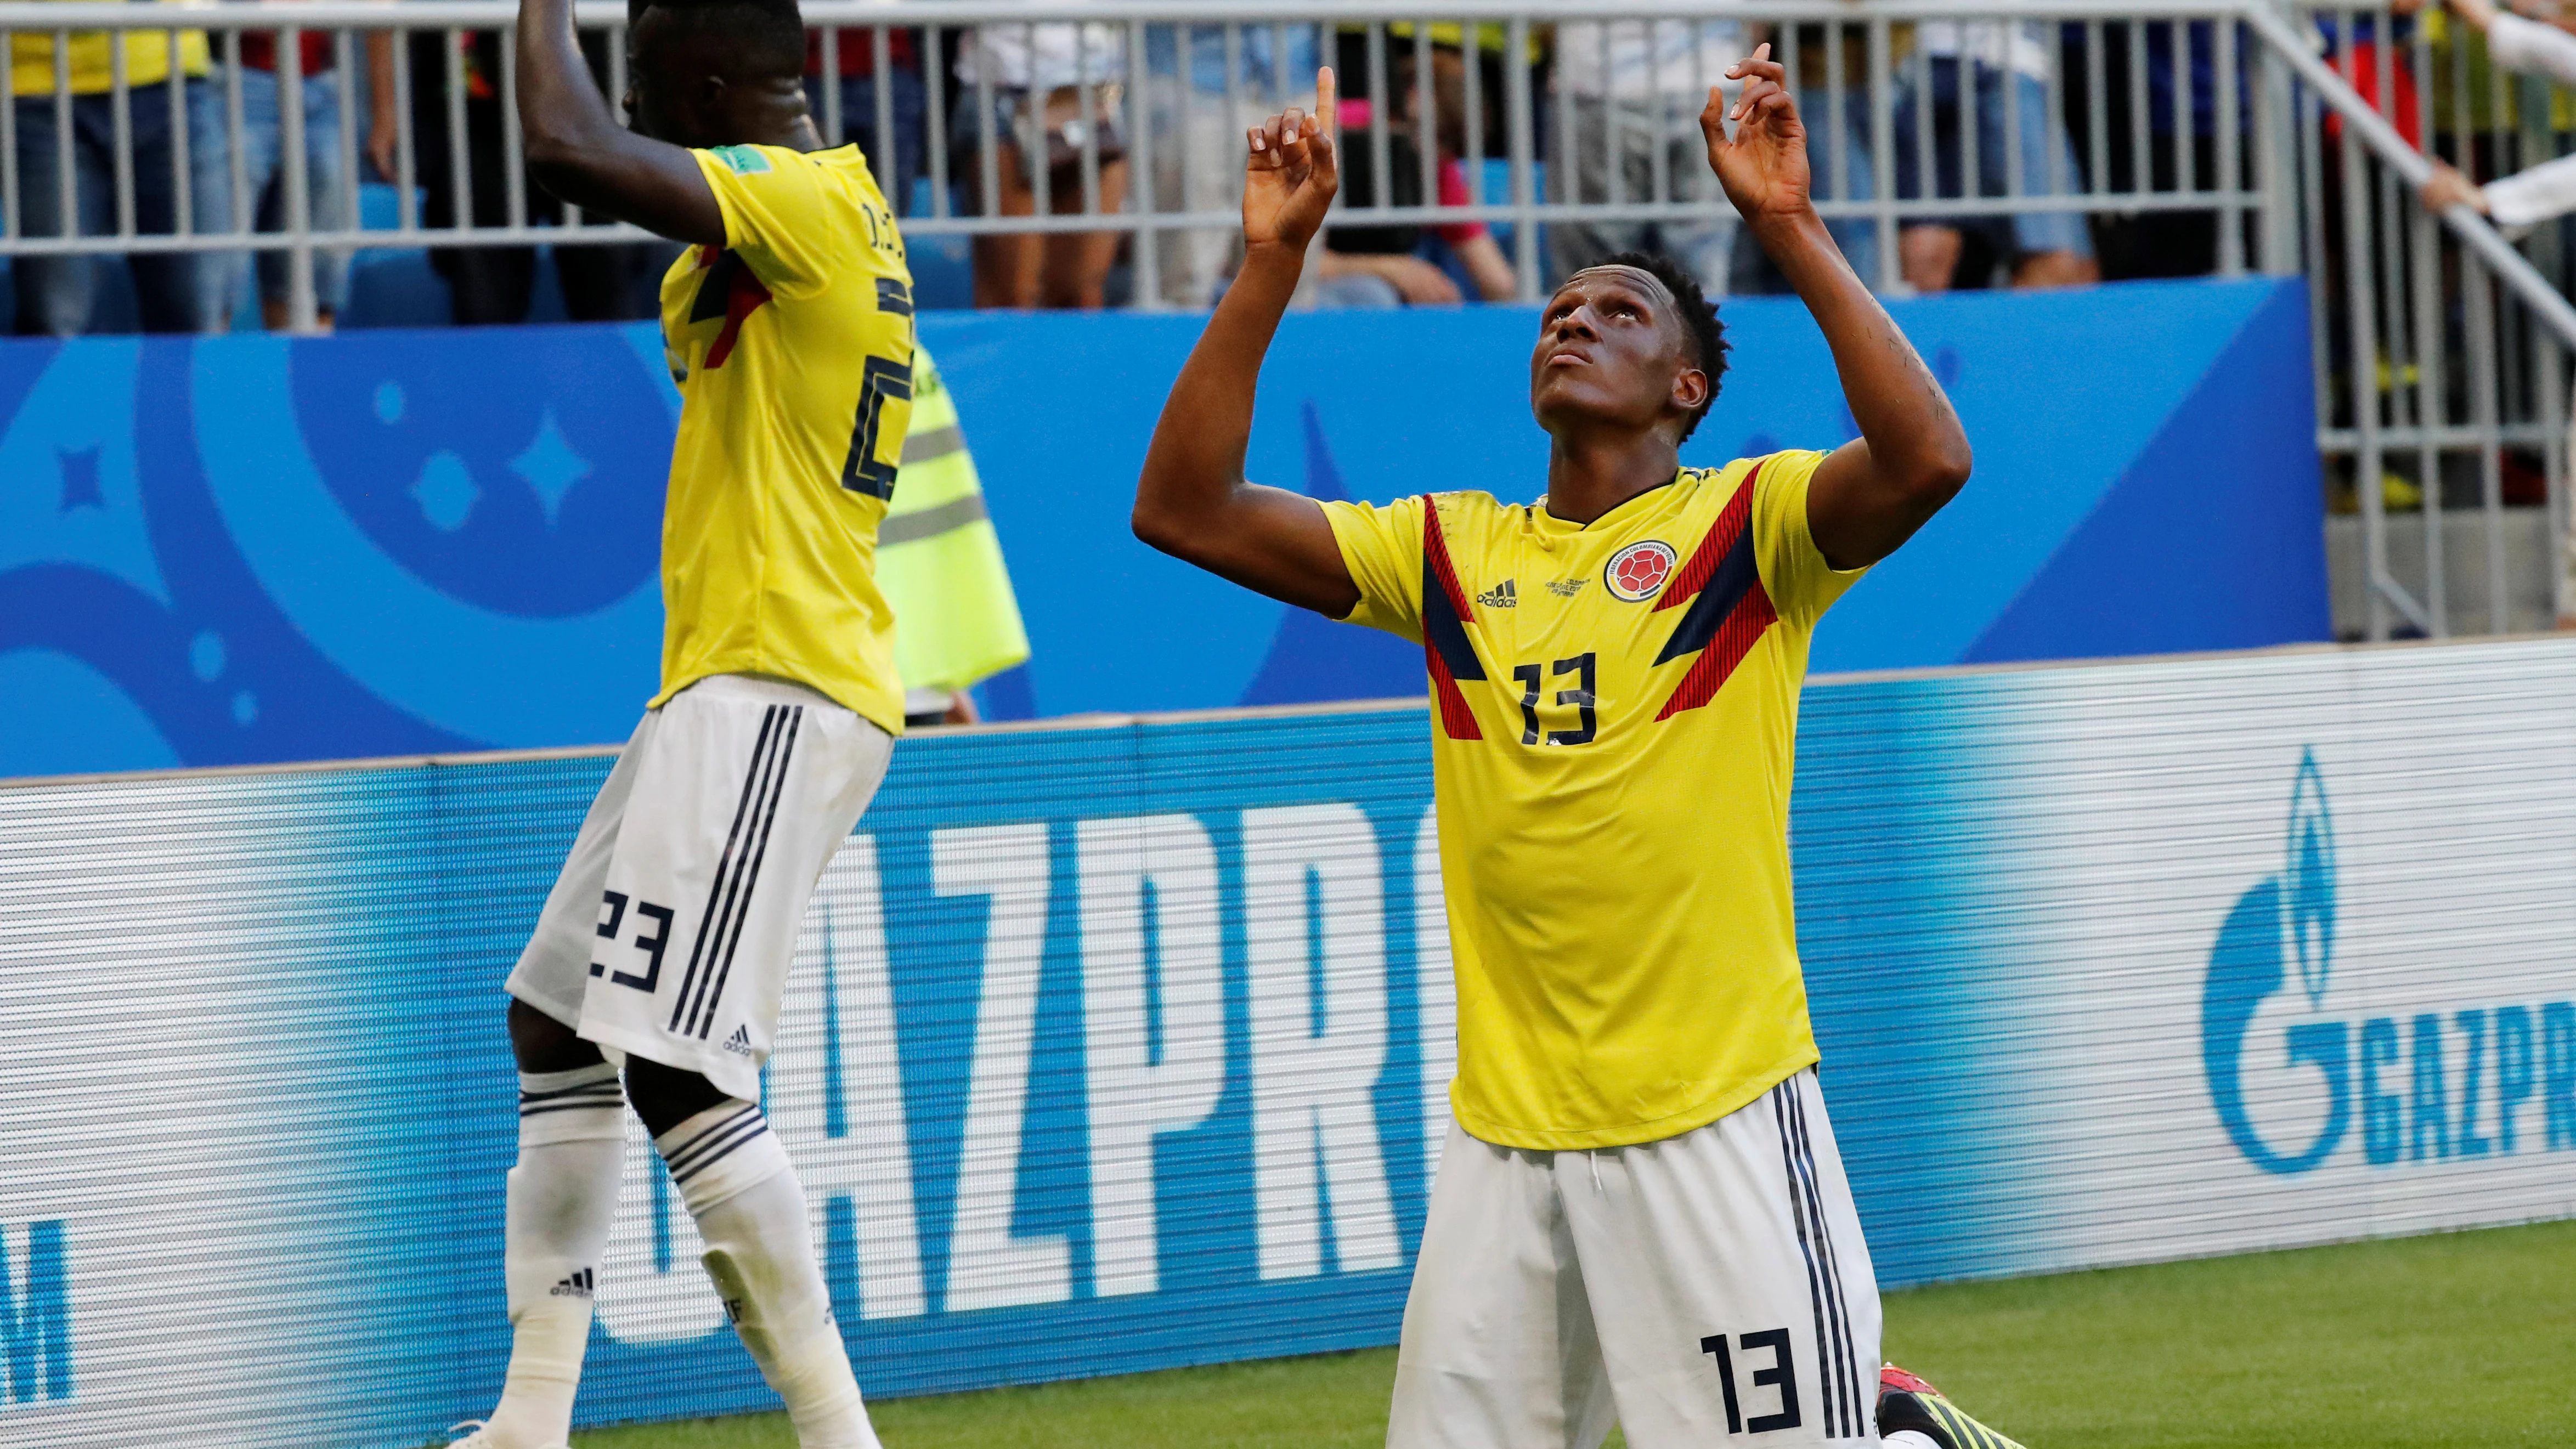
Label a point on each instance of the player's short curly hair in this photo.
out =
(763, 37)
(1699, 320)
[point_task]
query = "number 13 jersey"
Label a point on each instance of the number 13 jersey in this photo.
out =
(1614, 726)
(792, 348)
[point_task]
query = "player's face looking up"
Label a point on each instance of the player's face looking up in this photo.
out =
(1613, 352)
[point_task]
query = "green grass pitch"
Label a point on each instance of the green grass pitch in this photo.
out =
(2460, 1339)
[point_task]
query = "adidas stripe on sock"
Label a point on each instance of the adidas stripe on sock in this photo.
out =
(562, 1197)
(734, 1176)
(720, 1152)
(580, 1105)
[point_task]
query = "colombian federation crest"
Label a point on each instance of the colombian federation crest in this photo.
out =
(1637, 573)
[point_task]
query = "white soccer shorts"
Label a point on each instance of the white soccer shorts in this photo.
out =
(669, 933)
(1709, 1288)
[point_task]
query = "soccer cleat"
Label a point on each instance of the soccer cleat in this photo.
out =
(476, 1436)
(1906, 1402)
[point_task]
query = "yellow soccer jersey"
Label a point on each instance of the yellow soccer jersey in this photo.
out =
(1614, 720)
(792, 346)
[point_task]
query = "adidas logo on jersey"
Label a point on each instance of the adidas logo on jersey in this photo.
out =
(577, 1286)
(740, 1042)
(1566, 588)
(1500, 596)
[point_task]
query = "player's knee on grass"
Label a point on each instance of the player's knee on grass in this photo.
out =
(542, 1044)
(664, 1097)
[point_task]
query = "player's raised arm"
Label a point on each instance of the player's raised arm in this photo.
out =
(1192, 501)
(1911, 456)
(576, 149)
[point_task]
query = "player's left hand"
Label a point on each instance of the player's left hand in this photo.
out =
(1764, 165)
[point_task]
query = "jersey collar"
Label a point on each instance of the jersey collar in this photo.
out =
(1548, 523)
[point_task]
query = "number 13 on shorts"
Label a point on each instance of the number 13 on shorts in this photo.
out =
(1697, 1289)
(1781, 1372)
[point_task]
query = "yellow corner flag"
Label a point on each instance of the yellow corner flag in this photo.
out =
(939, 560)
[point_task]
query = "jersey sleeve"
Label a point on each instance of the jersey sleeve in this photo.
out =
(1794, 572)
(1382, 547)
(776, 215)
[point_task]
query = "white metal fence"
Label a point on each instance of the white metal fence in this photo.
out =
(2440, 370)
(2181, 137)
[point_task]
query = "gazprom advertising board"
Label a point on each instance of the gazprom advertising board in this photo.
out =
(1121, 1045)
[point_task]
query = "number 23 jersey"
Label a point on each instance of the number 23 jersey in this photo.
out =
(792, 348)
(1614, 726)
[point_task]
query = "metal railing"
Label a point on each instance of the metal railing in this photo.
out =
(2203, 136)
(2440, 370)
(1233, 62)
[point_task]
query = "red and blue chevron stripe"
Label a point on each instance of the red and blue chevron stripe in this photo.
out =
(1728, 607)
(728, 290)
(1446, 649)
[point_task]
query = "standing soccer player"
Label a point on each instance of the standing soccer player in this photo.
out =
(665, 944)
(1639, 1213)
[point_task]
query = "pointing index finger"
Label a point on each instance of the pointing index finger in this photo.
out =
(1326, 111)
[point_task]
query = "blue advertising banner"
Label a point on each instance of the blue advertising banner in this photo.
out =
(1125, 1045)
(250, 549)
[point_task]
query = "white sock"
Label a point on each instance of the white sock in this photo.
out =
(734, 1176)
(562, 1198)
(1909, 1439)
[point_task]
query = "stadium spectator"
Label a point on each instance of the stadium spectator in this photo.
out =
(1489, 43)
(331, 194)
(1629, 90)
(1993, 76)
(896, 160)
(1197, 145)
(2360, 63)
(2542, 191)
(496, 284)
(2182, 149)
(1470, 244)
(1382, 265)
(1056, 92)
(174, 291)
(939, 562)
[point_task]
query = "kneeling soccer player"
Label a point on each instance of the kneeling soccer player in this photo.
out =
(1639, 1214)
(665, 943)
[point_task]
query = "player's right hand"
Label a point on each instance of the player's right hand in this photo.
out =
(1291, 174)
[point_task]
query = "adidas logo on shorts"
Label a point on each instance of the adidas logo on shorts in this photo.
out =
(1501, 596)
(740, 1042)
(577, 1286)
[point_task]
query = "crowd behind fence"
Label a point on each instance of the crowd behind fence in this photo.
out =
(1090, 140)
(1090, 154)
